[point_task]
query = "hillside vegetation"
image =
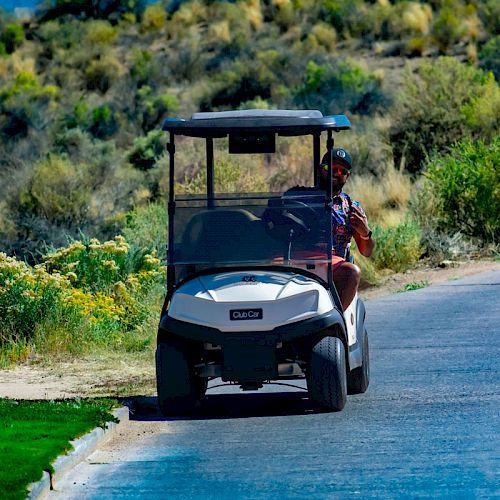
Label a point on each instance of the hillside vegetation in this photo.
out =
(84, 87)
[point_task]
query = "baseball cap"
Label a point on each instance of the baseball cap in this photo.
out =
(341, 155)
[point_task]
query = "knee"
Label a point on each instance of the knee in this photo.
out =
(353, 272)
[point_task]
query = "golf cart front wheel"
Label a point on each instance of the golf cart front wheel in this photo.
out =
(177, 387)
(327, 379)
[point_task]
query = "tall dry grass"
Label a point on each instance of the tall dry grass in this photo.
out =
(385, 196)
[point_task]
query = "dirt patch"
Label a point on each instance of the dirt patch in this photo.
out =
(134, 374)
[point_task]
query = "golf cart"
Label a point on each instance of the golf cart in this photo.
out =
(250, 296)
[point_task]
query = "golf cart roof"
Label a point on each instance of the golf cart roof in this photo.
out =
(284, 122)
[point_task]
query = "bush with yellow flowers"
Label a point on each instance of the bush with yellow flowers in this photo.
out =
(109, 280)
(27, 295)
(97, 291)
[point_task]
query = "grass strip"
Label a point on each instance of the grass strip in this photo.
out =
(34, 433)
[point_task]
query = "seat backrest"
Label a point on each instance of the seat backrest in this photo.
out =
(223, 235)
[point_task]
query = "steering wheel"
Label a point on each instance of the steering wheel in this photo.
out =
(288, 224)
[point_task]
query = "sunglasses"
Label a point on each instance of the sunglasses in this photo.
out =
(335, 169)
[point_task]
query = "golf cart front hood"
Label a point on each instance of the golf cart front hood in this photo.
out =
(249, 301)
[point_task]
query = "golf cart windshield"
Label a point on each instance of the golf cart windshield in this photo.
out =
(291, 229)
(248, 229)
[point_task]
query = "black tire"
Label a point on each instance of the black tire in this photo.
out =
(177, 386)
(327, 379)
(359, 378)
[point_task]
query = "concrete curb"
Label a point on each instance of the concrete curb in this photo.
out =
(82, 448)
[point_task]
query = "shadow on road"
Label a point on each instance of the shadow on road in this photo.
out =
(229, 406)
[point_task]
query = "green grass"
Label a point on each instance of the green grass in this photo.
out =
(414, 286)
(34, 433)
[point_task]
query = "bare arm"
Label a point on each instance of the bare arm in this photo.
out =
(359, 222)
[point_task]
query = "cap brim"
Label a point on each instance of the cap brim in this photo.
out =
(343, 162)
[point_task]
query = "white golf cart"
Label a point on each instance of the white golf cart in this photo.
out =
(250, 296)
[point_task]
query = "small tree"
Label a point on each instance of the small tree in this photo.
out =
(443, 102)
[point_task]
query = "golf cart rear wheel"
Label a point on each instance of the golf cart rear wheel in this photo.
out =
(177, 386)
(327, 379)
(359, 378)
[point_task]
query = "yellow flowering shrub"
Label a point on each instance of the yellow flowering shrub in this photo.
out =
(102, 289)
(27, 295)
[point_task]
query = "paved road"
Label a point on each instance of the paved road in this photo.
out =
(427, 427)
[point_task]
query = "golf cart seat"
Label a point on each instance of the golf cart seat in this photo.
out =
(225, 236)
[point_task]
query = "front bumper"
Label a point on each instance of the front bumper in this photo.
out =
(252, 356)
(285, 333)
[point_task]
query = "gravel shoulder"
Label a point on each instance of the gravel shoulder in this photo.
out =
(133, 375)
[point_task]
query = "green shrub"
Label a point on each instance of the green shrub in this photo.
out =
(489, 12)
(100, 74)
(99, 32)
(465, 190)
(147, 227)
(397, 247)
(356, 18)
(243, 82)
(58, 191)
(24, 103)
(339, 85)
(443, 102)
(153, 18)
(448, 28)
(146, 151)
(85, 295)
(153, 109)
(27, 296)
(103, 123)
(489, 56)
(12, 37)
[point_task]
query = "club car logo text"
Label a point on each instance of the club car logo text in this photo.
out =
(245, 314)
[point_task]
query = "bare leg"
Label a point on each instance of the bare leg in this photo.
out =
(346, 278)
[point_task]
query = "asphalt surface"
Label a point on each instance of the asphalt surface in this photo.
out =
(427, 427)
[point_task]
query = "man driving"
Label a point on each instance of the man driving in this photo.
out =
(348, 220)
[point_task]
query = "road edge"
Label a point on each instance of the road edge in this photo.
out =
(82, 448)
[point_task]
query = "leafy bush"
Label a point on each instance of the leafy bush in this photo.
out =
(147, 227)
(104, 122)
(410, 19)
(340, 85)
(99, 32)
(153, 18)
(12, 37)
(100, 74)
(152, 109)
(356, 18)
(82, 186)
(489, 56)
(58, 191)
(464, 189)
(448, 29)
(444, 102)
(147, 150)
(244, 82)
(27, 296)
(96, 292)
(397, 247)
(23, 103)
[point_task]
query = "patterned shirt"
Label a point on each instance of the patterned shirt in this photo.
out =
(341, 227)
